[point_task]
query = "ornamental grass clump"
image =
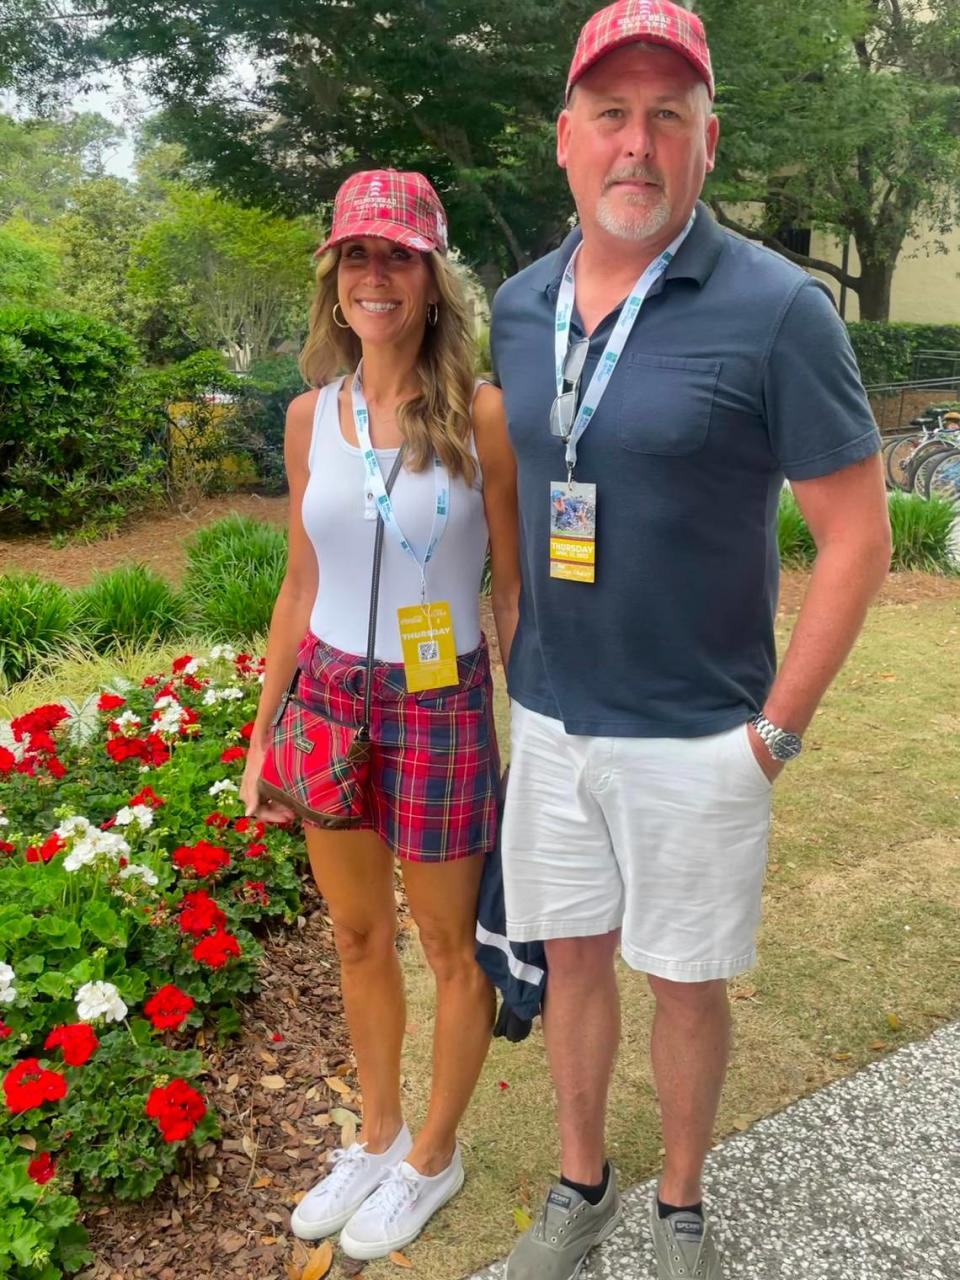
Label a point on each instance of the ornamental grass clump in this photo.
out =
(921, 532)
(37, 623)
(235, 568)
(129, 605)
(797, 547)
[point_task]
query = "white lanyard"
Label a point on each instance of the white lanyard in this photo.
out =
(361, 418)
(615, 343)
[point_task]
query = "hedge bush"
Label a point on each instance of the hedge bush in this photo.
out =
(76, 424)
(885, 351)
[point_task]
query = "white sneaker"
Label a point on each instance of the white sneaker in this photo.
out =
(399, 1209)
(354, 1174)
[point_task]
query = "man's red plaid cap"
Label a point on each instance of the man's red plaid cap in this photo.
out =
(652, 21)
(402, 207)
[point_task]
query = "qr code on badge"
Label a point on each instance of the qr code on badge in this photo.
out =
(428, 650)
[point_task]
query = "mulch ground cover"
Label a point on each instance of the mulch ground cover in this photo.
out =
(159, 540)
(274, 1088)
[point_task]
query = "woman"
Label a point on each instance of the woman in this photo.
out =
(390, 310)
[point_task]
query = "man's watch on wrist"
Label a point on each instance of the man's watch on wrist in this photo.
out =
(781, 744)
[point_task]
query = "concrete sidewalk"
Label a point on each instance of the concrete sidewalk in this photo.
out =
(860, 1181)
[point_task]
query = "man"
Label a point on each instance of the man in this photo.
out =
(639, 798)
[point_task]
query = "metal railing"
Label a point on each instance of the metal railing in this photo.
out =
(896, 403)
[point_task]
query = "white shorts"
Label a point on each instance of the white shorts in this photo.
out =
(663, 838)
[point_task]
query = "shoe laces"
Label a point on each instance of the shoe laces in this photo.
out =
(399, 1190)
(345, 1164)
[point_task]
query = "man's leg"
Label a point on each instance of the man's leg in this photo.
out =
(689, 1047)
(581, 1027)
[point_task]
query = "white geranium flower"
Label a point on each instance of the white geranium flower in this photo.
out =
(77, 825)
(223, 653)
(228, 694)
(138, 869)
(165, 700)
(128, 722)
(100, 1000)
(141, 814)
(4, 822)
(192, 667)
(7, 990)
(223, 785)
(93, 845)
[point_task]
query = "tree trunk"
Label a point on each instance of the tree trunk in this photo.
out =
(873, 289)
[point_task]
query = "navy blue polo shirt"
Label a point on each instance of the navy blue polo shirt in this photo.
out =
(738, 372)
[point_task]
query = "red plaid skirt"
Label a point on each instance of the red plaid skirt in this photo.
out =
(435, 768)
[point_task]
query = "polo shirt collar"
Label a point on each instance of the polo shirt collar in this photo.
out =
(695, 259)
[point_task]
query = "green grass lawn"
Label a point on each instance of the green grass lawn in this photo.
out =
(860, 948)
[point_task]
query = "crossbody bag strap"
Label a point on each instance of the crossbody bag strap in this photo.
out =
(375, 600)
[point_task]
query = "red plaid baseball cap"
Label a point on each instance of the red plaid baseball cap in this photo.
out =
(395, 206)
(654, 21)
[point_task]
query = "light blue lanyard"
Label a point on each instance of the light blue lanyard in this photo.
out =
(615, 343)
(361, 418)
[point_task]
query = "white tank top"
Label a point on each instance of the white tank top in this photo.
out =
(333, 516)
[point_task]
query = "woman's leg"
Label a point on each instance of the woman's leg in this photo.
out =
(354, 872)
(443, 901)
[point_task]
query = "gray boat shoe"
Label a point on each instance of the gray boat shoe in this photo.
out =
(568, 1227)
(684, 1246)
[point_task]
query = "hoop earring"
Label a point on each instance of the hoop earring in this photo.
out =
(433, 315)
(341, 324)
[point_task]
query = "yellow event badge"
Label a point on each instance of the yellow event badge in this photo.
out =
(429, 646)
(573, 531)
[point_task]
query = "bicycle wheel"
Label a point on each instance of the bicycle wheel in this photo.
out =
(921, 481)
(912, 464)
(898, 457)
(945, 481)
(886, 450)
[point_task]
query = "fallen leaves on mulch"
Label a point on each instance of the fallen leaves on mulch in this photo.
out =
(228, 1215)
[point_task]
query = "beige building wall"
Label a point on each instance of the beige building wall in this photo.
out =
(926, 284)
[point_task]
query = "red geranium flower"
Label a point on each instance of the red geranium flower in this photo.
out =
(191, 682)
(243, 825)
(42, 1168)
(256, 891)
(199, 914)
(147, 796)
(39, 720)
(5, 1030)
(255, 850)
(42, 742)
(202, 859)
(216, 819)
(233, 753)
(216, 950)
(48, 850)
(168, 1008)
(149, 681)
(177, 1109)
(78, 1042)
(7, 847)
(7, 760)
(110, 702)
(28, 1085)
(247, 731)
(56, 767)
(181, 662)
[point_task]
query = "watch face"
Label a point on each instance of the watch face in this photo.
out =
(786, 747)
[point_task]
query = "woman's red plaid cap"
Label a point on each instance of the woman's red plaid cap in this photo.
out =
(652, 21)
(402, 207)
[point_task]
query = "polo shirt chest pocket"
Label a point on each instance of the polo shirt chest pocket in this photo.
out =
(666, 403)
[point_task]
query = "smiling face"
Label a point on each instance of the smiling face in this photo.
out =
(637, 141)
(384, 290)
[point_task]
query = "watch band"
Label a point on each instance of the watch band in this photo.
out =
(781, 744)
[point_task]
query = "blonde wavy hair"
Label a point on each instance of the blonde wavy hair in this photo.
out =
(438, 420)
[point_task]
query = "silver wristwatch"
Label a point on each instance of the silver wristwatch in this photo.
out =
(781, 744)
